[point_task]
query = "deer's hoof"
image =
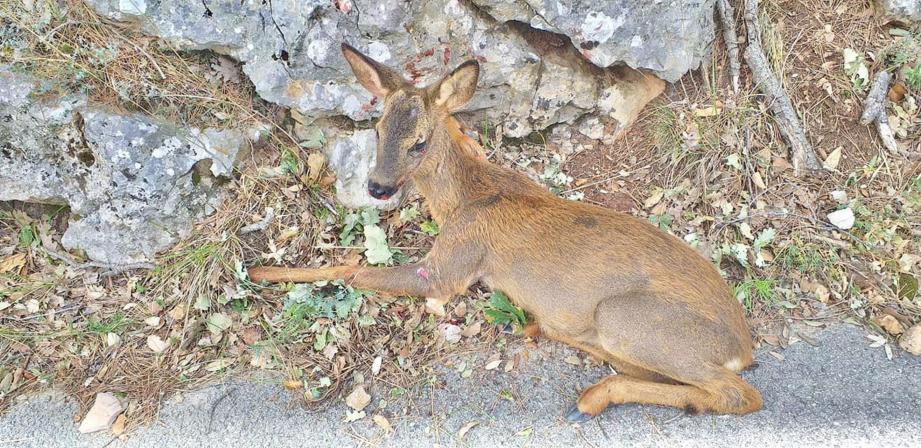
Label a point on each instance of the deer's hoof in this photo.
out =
(577, 416)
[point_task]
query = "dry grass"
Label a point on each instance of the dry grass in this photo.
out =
(119, 67)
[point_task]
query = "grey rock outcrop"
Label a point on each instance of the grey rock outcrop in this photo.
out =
(290, 50)
(128, 179)
(667, 37)
(905, 11)
(543, 63)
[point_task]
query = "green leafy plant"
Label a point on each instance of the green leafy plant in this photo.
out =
(756, 289)
(290, 163)
(306, 303)
(376, 249)
(355, 222)
(113, 324)
(409, 214)
(913, 77)
(500, 311)
(334, 300)
(805, 258)
(27, 235)
(365, 221)
(430, 228)
(856, 68)
(663, 221)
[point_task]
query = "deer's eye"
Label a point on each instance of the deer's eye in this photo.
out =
(418, 148)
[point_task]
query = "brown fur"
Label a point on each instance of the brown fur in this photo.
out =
(602, 281)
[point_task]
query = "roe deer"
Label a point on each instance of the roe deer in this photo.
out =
(605, 282)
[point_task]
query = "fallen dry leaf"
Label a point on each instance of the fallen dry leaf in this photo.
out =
(781, 164)
(118, 428)
(465, 429)
(435, 306)
(822, 293)
(358, 399)
(897, 92)
(383, 423)
(493, 364)
(293, 384)
(153, 321)
(219, 364)
(758, 181)
(315, 162)
(907, 261)
(251, 335)
(831, 162)
(450, 332)
(911, 340)
(102, 414)
(654, 198)
(461, 309)
(351, 416)
(112, 339)
(178, 312)
(890, 324)
(376, 365)
(709, 111)
(156, 343)
(472, 330)
(13, 263)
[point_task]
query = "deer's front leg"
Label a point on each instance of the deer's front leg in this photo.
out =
(438, 277)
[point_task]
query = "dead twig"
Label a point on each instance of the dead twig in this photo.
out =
(728, 20)
(110, 268)
(261, 225)
(875, 110)
(875, 104)
(804, 158)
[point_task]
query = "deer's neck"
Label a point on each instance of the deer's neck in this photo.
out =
(447, 177)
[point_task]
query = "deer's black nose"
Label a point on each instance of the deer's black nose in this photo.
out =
(381, 192)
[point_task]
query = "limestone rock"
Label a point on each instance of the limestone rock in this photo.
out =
(668, 37)
(352, 157)
(911, 340)
(106, 408)
(542, 63)
(127, 178)
(904, 11)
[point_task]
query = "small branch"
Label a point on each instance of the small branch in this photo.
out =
(110, 268)
(262, 224)
(885, 133)
(804, 158)
(728, 20)
(875, 110)
(875, 104)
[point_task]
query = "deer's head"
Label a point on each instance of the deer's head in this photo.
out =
(410, 116)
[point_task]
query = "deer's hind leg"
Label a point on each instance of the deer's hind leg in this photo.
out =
(726, 393)
(691, 355)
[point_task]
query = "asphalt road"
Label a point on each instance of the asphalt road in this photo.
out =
(839, 393)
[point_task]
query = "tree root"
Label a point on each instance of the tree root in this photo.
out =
(804, 158)
(728, 19)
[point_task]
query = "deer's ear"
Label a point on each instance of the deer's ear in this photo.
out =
(456, 89)
(379, 79)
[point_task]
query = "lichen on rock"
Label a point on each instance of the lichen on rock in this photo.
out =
(130, 180)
